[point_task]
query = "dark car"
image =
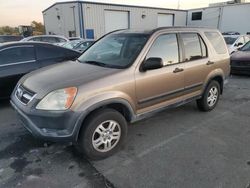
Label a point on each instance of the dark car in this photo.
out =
(19, 58)
(240, 60)
(9, 38)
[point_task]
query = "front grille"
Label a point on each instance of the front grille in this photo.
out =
(24, 95)
(240, 63)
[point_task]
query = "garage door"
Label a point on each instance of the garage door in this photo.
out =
(165, 20)
(116, 20)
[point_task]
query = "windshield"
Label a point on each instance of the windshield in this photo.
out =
(230, 40)
(246, 47)
(115, 51)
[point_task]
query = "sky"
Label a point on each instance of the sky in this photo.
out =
(23, 12)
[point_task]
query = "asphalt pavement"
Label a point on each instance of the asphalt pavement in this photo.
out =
(178, 148)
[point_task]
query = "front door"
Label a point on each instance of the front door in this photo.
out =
(14, 63)
(161, 87)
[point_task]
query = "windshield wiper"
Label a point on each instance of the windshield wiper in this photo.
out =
(96, 63)
(100, 64)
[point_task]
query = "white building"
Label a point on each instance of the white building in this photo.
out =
(92, 20)
(228, 17)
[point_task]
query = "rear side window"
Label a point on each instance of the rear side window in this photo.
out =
(49, 39)
(194, 46)
(165, 47)
(49, 52)
(38, 39)
(60, 39)
(17, 55)
(217, 42)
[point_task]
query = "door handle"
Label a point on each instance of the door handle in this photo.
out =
(178, 70)
(210, 63)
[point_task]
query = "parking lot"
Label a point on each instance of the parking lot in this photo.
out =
(180, 147)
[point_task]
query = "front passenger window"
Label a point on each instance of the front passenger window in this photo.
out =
(165, 47)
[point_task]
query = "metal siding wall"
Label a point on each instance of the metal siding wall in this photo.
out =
(236, 18)
(210, 18)
(94, 17)
(66, 22)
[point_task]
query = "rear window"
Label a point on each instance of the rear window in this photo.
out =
(217, 42)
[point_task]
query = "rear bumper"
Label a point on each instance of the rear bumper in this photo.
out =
(50, 126)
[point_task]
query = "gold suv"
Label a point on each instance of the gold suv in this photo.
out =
(124, 77)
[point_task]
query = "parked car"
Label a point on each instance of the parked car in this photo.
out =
(19, 58)
(234, 42)
(53, 39)
(79, 45)
(90, 101)
(231, 33)
(240, 60)
(9, 38)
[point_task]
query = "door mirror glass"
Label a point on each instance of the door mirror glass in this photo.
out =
(152, 63)
(239, 44)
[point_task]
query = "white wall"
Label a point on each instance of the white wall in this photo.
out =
(94, 17)
(225, 18)
(210, 17)
(66, 22)
(236, 18)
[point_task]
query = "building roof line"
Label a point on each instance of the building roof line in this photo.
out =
(219, 6)
(111, 4)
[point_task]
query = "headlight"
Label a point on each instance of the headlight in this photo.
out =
(60, 99)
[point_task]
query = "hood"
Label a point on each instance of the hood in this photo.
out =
(63, 75)
(241, 56)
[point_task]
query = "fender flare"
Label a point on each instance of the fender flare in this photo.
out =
(86, 112)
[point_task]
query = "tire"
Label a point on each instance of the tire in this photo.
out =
(102, 127)
(203, 103)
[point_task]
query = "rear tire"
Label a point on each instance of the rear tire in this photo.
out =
(210, 97)
(103, 134)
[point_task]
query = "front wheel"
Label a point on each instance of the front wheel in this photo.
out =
(210, 97)
(103, 134)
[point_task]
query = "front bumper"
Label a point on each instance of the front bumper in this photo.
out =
(52, 126)
(240, 70)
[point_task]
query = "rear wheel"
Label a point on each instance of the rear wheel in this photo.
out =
(210, 97)
(103, 134)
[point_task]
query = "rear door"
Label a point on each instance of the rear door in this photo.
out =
(14, 63)
(197, 64)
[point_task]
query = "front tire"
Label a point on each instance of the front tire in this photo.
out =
(210, 97)
(103, 134)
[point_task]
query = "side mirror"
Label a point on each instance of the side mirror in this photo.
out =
(152, 63)
(239, 44)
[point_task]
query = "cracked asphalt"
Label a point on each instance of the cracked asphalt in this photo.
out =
(180, 147)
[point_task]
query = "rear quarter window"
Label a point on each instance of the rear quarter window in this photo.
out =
(49, 52)
(217, 42)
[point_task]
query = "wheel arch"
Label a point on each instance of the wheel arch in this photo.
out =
(219, 79)
(120, 105)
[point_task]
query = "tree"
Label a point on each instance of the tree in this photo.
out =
(38, 27)
(7, 30)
